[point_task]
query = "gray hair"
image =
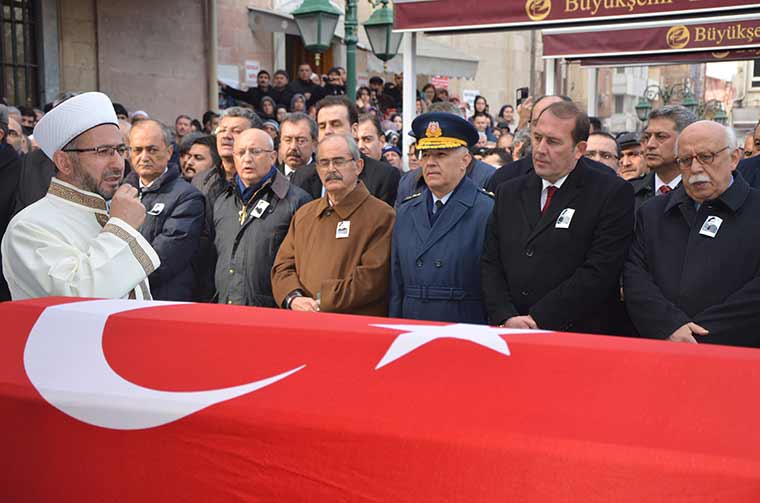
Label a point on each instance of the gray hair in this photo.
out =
(679, 114)
(246, 113)
(295, 117)
(166, 131)
(446, 106)
(730, 137)
(4, 122)
(350, 143)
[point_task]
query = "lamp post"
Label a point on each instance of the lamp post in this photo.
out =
(317, 20)
(654, 92)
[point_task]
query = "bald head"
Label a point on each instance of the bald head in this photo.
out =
(706, 128)
(254, 155)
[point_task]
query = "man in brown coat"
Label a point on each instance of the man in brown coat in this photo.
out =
(336, 254)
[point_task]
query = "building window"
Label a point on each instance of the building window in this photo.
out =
(19, 75)
(756, 73)
(619, 104)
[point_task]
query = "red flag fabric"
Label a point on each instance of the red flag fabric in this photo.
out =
(361, 409)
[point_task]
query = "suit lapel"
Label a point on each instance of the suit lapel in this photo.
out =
(530, 198)
(458, 204)
(562, 199)
(420, 217)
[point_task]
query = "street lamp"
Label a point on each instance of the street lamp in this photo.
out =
(379, 28)
(316, 21)
(654, 92)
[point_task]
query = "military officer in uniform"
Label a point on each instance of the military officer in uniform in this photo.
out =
(439, 232)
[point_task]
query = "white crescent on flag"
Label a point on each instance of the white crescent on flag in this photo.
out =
(64, 360)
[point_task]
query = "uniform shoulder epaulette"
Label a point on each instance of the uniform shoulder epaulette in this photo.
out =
(487, 192)
(409, 198)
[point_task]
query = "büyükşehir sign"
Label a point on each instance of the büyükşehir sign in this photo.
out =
(450, 15)
(674, 58)
(697, 35)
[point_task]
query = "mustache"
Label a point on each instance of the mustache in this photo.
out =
(699, 179)
(333, 176)
(293, 153)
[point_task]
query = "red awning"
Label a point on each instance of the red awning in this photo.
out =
(674, 58)
(104, 401)
(661, 37)
(472, 15)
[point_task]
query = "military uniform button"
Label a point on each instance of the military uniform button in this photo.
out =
(524, 293)
(438, 263)
(529, 252)
(419, 262)
(232, 271)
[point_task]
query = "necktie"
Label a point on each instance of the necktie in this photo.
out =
(437, 207)
(664, 189)
(550, 190)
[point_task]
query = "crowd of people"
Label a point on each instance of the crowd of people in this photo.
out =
(296, 197)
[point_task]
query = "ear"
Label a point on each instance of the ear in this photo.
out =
(355, 130)
(63, 163)
(467, 158)
(359, 166)
(735, 157)
(580, 149)
(171, 150)
(2, 135)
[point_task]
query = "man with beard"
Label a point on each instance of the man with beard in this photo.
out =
(659, 144)
(280, 91)
(298, 140)
(70, 243)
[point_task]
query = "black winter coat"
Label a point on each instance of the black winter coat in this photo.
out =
(566, 277)
(173, 227)
(246, 251)
(675, 273)
(10, 167)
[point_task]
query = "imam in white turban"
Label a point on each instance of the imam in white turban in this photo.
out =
(72, 118)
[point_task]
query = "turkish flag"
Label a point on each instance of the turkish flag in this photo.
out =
(352, 409)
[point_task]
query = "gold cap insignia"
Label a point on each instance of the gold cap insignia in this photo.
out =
(433, 130)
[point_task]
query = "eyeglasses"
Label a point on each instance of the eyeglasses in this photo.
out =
(607, 156)
(255, 152)
(338, 162)
(12, 133)
(103, 151)
(704, 158)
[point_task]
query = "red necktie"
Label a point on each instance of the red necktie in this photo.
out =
(550, 190)
(664, 189)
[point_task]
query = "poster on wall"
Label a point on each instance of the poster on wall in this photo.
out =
(468, 96)
(440, 82)
(252, 68)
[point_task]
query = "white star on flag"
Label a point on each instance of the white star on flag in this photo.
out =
(419, 335)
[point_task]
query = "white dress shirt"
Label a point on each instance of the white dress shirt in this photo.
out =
(443, 199)
(659, 183)
(545, 192)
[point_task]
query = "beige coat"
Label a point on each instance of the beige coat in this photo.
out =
(349, 274)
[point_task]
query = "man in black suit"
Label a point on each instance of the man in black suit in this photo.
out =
(339, 115)
(298, 142)
(524, 166)
(557, 238)
(658, 142)
(692, 271)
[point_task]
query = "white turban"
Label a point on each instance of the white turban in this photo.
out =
(72, 118)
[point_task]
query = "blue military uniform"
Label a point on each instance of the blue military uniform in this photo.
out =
(435, 257)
